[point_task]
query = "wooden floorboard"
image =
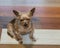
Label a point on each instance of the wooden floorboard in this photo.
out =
(28, 46)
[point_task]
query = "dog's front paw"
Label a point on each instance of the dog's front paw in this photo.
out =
(20, 42)
(33, 39)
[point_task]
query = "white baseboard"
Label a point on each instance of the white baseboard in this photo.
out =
(42, 36)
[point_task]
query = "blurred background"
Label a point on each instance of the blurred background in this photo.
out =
(47, 14)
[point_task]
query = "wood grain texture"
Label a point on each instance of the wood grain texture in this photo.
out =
(28, 46)
(49, 23)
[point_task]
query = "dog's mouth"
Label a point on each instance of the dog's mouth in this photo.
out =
(25, 25)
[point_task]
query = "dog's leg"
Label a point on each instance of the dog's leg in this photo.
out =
(10, 34)
(18, 37)
(10, 30)
(31, 36)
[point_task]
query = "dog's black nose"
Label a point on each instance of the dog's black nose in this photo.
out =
(25, 24)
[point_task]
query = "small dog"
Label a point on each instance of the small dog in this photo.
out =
(21, 25)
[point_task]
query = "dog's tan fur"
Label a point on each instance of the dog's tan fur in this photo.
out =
(21, 25)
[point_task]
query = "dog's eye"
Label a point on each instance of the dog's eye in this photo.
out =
(28, 19)
(21, 20)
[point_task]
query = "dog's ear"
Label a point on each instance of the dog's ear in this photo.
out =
(32, 11)
(16, 12)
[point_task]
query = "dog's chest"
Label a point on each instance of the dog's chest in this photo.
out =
(24, 31)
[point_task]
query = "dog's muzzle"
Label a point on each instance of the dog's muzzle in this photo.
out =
(26, 25)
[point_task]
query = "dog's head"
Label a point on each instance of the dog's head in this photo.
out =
(24, 18)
